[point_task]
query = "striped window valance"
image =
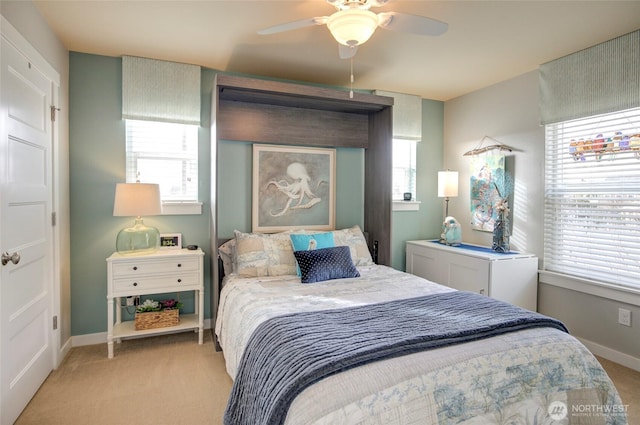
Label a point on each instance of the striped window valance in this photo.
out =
(407, 115)
(160, 91)
(601, 79)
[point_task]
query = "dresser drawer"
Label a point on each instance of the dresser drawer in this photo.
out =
(148, 285)
(138, 268)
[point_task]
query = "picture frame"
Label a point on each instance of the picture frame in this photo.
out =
(171, 241)
(486, 174)
(293, 188)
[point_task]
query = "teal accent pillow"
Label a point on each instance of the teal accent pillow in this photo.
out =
(311, 241)
(326, 264)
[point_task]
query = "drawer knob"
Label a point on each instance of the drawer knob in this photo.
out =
(135, 267)
(179, 265)
(179, 280)
(135, 283)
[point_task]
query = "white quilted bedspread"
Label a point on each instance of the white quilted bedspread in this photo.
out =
(510, 379)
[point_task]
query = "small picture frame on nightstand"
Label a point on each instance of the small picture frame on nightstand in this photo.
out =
(171, 241)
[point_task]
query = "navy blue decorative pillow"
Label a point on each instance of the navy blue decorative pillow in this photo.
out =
(326, 264)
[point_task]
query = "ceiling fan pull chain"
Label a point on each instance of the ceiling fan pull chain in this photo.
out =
(351, 86)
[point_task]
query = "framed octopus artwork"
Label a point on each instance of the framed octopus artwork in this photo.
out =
(293, 188)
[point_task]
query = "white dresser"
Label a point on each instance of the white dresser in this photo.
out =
(165, 271)
(511, 277)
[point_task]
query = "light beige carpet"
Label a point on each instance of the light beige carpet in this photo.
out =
(627, 382)
(171, 380)
(165, 380)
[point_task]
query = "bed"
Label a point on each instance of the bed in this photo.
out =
(360, 343)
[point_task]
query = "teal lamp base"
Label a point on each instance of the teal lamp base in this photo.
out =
(451, 232)
(139, 239)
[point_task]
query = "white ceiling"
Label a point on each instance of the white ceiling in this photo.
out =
(487, 41)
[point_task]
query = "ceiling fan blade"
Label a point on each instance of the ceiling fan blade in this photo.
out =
(377, 3)
(294, 25)
(413, 24)
(347, 52)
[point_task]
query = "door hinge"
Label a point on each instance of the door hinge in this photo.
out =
(55, 323)
(53, 218)
(53, 112)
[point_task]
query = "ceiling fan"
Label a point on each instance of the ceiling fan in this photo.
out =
(353, 24)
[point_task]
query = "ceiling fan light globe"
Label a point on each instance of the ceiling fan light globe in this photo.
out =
(352, 27)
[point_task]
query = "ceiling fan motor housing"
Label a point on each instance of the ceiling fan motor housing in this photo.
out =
(352, 27)
(362, 4)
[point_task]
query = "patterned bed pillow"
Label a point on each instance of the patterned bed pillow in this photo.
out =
(325, 264)
(259, 254)
(354, 239)
(227, 253)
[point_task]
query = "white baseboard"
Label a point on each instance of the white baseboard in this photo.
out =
(612, 355)
(66, 348)
(62, 353)
(89, 339)
(101, 337)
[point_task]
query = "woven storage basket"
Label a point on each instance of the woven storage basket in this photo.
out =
(157, 319)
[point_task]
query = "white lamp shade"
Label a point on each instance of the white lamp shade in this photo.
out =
(447, 184)
(137, 199)
(352, 27)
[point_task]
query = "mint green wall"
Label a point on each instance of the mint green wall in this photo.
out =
(427, 222)
(97, 163)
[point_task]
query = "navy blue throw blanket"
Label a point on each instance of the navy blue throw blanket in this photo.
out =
(288, 353)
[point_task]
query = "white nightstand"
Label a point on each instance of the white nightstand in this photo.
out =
(511, 277)
(166, 270)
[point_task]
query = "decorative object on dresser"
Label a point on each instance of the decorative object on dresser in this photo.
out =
(501, 229)
(451, 232)
(171, 241)
(510, 277)
(163, 272)
(137, 200)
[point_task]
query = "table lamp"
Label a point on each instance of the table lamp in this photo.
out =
(447, 187)
(137, 200)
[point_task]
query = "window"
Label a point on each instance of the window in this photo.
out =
(164, 153)
(592, 198)
(404, 168)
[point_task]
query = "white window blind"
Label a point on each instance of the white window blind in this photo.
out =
(164, 153)
(592, 198)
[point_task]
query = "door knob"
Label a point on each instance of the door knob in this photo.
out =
(6, 257)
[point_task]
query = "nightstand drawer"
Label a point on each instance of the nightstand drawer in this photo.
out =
(146, 284)
(139, 268)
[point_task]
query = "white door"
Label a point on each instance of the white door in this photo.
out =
(26, 277)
